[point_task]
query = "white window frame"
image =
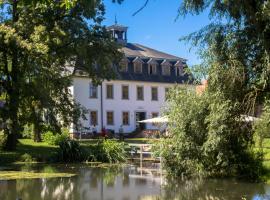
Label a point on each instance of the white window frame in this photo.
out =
(107, 91)
(109, 111)
(152, 93)
(91, 87)
(140, 86)
(91, 117)
(123, 90)
(123, 118)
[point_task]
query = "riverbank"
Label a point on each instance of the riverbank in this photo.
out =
(30, 151)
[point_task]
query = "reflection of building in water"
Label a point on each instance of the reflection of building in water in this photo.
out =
(117, 187)
(128, 183)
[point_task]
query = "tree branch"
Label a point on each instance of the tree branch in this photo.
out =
(144, 5)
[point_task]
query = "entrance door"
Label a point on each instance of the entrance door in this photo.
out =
(139, 117)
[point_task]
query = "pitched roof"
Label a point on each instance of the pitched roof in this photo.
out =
(137, 50)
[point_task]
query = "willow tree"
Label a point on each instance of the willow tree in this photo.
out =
(207, 132)
(236, 41)
(39, 41)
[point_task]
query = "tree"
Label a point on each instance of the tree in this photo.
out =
(39, 41)
(237, 41)
(208, 137)
(235, 48)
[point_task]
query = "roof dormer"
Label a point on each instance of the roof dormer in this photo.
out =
(137, 65)
(152, 66)
(166, 68)
(178, 68)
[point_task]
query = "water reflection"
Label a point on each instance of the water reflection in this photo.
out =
(126, 183)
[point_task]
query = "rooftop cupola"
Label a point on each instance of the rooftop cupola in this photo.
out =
(119, 33)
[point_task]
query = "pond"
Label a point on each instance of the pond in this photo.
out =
(124, 183)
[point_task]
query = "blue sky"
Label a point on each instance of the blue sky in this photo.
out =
(155, 25)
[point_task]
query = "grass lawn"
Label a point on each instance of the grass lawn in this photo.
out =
(43, 152)
(38, 151)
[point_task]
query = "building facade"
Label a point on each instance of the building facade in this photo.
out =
(143, 78)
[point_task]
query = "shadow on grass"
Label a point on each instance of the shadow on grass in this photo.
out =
(41, 152)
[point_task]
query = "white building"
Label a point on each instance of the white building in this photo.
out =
(139, 91)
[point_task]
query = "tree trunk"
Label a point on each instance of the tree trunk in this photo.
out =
(13, 128)
(37, 130)
(36, 123)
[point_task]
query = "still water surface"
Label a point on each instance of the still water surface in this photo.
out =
(125, 183)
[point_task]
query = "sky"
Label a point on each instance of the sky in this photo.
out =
(155, 25)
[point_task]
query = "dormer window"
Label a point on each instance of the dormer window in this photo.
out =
(137, 65)
(166, 68)
(178, 68)
(152, 67)
(123, 65)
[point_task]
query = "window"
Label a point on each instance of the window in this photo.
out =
(109, 91)
(139, 92)
(152, 69)
(137, 67)
(154, 114)
(93, 118)
(167, 90)
(92, 91)
(178, 71)
(125, 92)
(123, 65)
(166, 70)
(154, 93)
(125, 118)
(110, 118)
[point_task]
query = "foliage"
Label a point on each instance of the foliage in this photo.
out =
(207, 137)
(28, 131)
(3, 139)
(55, 139)
(41, 43)
(70, 151)
(114, 151)
(27, 158)
(262, 126)
(49, 137)
(237, 43)
(107, 151)
(235, 49)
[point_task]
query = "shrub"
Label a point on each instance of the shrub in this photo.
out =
(107, 151)
(28, 131)
(70, 151)
(114, 151)
(208, 137)
(104, 151)
(262, 126)
(54, 139)
(27, 158)
(49, 137)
